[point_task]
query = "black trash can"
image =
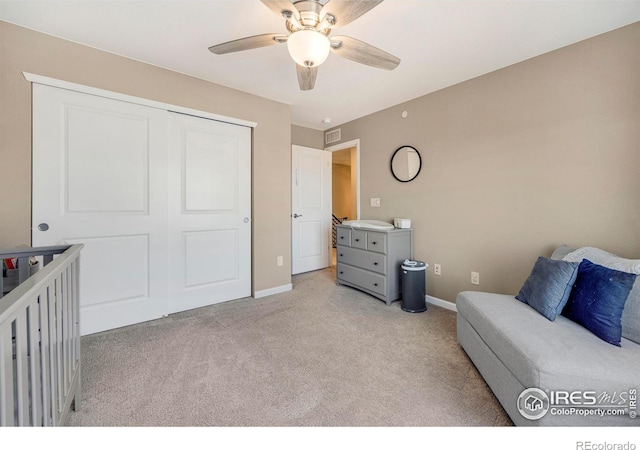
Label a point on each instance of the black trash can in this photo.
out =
(413, 286)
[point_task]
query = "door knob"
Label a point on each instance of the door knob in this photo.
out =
(295, 216)
(43, 226)
(245, 220)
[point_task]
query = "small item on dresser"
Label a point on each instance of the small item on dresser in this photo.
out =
(368, 224)
(402, 223)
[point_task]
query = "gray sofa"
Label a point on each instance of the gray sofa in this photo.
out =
(516, 348)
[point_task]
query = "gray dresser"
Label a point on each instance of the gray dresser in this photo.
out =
(370, 260)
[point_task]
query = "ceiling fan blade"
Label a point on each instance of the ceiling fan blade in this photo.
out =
(248, 43)
(279, 6)
(346, 11)
(306, 77)
(363, 53)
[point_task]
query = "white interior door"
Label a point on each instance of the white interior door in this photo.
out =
(209, 212)
(311, 209)
(99, 177)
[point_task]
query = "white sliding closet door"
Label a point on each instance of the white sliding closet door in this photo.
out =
(99, 177)
(161, 201)
(209, 212)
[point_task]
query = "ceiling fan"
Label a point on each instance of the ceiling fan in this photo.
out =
(309, 23)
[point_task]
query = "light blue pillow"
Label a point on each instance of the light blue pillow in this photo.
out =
(598, 298)
(548, 287)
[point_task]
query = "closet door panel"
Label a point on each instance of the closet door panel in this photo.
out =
(209, 212)
(99, 178)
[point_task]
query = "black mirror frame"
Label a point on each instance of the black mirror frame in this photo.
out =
(419, 167)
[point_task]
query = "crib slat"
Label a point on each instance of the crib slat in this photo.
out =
(59, 340)
(34, 364)
(23, 268)
(7, 404)
(22, 368)
(68, 368)
(75, 272)
(45, 361)
(53, 353)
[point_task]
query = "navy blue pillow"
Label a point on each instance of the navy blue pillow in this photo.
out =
(597, 300)
(548, 287)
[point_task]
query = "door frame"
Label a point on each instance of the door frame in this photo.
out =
(343, 146)
(39, 79)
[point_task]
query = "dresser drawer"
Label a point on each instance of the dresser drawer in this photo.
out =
(377, 242)
(363, 259)
(359, 239)
(362, 278)
(343, 236)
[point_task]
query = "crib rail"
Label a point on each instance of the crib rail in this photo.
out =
(40, 342)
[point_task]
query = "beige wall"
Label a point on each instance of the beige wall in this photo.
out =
(307, 137)
(516, 162)
(25, 50)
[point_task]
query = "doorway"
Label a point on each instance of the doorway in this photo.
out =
(345, 164)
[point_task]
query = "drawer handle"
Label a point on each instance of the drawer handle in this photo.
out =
(341, 237)
(357, 240)
(374, 243)
(341, 254)
(375, 284)
(341, 272)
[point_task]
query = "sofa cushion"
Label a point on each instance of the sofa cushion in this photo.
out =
(597, 300)
(548, 287)
(631, 312)
(553, 355)
(561, 251)
(606, 259)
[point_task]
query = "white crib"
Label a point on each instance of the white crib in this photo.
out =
(40, 339)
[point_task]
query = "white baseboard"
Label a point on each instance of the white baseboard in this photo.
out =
(441, 303)
(273, 291)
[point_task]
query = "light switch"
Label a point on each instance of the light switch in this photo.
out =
(375, 203)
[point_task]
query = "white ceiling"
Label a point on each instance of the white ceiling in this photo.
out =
(440, 43)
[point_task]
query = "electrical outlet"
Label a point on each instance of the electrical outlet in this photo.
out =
(280, 261)
(475, 278)
(375, 203)
(437, 270)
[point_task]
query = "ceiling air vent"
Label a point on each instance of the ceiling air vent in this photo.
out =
(332, 136)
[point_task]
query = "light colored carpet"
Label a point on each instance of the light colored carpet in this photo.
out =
(320, 355)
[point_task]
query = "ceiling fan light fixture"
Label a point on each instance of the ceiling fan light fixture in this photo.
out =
(308, 48)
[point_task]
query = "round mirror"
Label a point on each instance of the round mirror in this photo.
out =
(406, 163)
